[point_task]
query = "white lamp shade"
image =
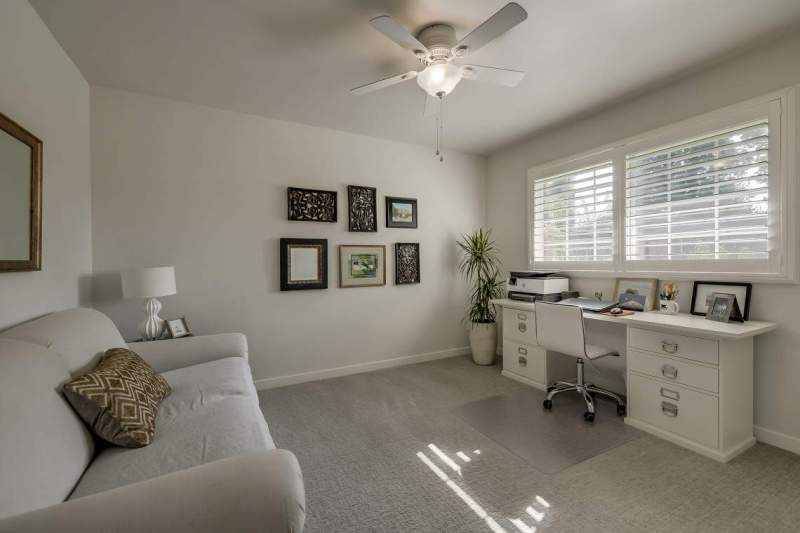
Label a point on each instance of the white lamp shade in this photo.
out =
(148, 282)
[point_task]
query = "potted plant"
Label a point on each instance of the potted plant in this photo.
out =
(479, 266)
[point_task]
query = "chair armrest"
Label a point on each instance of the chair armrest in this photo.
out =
(178, 353)
(261, 491)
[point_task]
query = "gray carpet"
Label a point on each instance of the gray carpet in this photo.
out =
(363, 443)
(550, 441)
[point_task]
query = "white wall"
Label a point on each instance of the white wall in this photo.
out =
(205, 190)
(42, 90)
(769, 67)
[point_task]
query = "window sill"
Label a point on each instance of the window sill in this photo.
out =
(682, 276)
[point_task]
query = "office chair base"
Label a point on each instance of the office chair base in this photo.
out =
(587, 390)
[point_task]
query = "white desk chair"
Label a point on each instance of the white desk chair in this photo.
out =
(560, 328)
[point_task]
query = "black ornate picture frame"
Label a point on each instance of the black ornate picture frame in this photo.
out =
(304, 264)
(401, 212)
(311, 205)
(406, 263)
(362, 208)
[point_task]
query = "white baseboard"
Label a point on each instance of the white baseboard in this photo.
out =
(315, 375)
(778, 439)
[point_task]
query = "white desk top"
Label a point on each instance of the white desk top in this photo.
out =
(682, 322)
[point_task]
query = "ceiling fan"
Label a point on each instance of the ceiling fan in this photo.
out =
(436, 47)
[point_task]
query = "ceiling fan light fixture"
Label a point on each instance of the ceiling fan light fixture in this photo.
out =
(439, 79)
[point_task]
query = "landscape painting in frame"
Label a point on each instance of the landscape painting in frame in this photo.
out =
(635, 294)
(401, 212)
(362, 265)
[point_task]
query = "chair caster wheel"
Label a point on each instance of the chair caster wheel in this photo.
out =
(589, 417)
(621, 410)
(547, 404)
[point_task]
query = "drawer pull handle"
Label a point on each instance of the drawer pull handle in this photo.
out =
(523, 351)
(669, 371)
(669, 347)
(522, 327)
(523, 361)
(522, 316)
(669, 409)
(670, 394)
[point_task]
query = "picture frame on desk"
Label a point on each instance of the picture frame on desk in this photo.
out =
(702, 292)
(635, 294)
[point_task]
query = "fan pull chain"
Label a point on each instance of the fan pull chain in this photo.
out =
(440, 150)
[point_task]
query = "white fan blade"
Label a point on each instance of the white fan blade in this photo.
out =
(386, 82)
(498, 76)
(431, 106)
(394, 31)
(496, 25)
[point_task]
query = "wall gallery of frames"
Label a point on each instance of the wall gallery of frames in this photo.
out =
(304, 262)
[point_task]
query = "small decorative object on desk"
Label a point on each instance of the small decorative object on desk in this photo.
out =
(598, 295)
(667, 303)
(702, 292)
(635, 294)
(721, 307)
(178, 328)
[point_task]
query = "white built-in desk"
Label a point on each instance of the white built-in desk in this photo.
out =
(689, 380)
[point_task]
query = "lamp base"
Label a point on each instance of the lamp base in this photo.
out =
(152, 327)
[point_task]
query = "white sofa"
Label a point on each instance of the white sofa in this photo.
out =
(212, 466)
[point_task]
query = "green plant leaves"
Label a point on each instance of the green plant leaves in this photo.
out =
(479, 264)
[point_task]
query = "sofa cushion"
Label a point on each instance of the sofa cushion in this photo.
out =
(119, 398)
(80, 336)
(44, 446)
(211, 414)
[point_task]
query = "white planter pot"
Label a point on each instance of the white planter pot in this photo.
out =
(483, 342)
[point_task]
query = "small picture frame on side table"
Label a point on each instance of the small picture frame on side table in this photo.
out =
(178, 328)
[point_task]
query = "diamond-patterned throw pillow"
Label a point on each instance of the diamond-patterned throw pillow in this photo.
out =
(119, 398)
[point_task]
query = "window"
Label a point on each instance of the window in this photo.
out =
(712, 195)
(705, 199)
(573, 216)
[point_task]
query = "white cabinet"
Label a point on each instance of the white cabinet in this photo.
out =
(523, 359)
(693, 391)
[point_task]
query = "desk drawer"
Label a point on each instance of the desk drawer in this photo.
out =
(525, 360)
(672, 369)
(519, 325)
(673, 408)
(697, 349)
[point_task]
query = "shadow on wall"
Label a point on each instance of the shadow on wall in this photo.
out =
(106, 287)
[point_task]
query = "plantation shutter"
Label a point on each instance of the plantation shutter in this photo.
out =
(573, 215)
(704, 199)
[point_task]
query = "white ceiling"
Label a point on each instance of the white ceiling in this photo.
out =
(297, 59)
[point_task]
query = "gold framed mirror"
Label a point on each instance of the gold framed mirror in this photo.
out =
(20, 198)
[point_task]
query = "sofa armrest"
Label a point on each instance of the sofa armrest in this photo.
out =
(170, 354)
(261, 491)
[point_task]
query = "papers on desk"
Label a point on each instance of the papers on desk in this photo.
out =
(589, 304)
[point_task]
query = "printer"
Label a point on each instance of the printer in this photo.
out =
(533, 285)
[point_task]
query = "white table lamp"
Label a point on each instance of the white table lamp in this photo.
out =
(149, 283)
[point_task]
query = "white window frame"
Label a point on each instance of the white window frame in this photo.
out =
(781, 109)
